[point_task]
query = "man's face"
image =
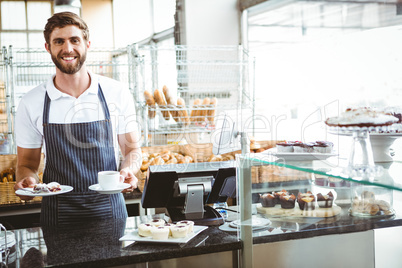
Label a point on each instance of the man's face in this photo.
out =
(68, 49)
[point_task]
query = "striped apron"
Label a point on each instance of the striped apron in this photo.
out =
(75, 153)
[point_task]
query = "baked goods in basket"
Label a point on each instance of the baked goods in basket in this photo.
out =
(362, 117)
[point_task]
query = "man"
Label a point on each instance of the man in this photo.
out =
(78, 117)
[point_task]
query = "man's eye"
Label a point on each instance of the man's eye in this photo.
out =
(58, 42)
(75, 41)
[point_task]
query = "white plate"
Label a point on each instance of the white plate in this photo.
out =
(291, 156)
(29, 191)
(255, 222)
(120, 187)
(391, 134)
(134, 236)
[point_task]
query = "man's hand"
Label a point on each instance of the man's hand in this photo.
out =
(127, 176)
(27, 182)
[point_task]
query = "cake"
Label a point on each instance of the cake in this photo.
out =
(287, 201)
(303, 147)
(41, 188)
(286, 146)
(157, 222)
(190, 225)
(169, 225)
(306, 201)
(160, 232)
(268, 200)
(144, 229)
(47, 188)
(324, 147)
(395, 111)
(325, 200)
(320, 180)
(362, 117)
(179, 230)
(334, 182)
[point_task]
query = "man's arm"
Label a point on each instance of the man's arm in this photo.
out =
(28, 161)
(131, 150)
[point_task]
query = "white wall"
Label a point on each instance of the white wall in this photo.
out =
(98, 15)
(212, 22)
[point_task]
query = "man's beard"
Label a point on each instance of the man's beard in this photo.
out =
(69, 68)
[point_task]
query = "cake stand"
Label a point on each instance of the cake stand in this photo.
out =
(361, 160)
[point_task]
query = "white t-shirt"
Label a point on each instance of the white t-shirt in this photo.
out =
(65, 109)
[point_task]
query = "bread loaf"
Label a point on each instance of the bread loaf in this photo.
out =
(171, 103)
(160, 100)
(150, 101)
(211, 112)
(195, 112)
(183, 111)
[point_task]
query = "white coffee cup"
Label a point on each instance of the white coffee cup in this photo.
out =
(108, 180)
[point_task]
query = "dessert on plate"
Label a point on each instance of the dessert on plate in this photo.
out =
(362, 117)
(51, 187)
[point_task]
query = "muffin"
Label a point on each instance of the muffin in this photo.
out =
(306, 201)
(287, 201)
(268, 200)
(325, 201)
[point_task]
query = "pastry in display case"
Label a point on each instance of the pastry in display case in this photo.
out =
(301, 205)
(371, 201)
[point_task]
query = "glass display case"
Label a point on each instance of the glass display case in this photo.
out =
(278, 196)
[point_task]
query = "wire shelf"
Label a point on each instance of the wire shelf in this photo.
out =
(196, 74)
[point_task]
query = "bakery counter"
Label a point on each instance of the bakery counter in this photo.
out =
(97, 244)
(282, 229)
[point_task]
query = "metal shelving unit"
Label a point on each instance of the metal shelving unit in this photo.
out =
(189, 72)
(194, 72)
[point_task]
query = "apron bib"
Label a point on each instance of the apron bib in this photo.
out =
(75, 153)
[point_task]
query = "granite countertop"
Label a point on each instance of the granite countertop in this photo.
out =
(97, 244)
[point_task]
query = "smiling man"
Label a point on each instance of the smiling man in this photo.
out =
(80, 120)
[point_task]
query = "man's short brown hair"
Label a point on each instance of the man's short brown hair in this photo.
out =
(62, 19)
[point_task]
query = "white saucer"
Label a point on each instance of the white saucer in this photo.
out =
(120, 187)
(29, 191)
